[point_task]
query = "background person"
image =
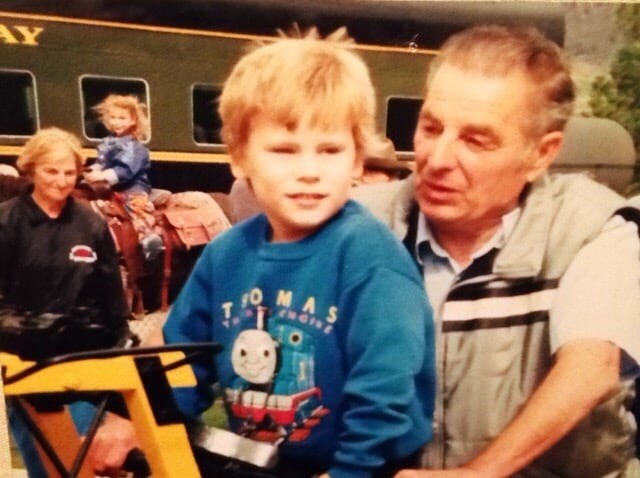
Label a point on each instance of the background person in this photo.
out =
(56, 254)
(123, 162)
(533, 280)
(11, 183)
(382, 165)
(298, 117)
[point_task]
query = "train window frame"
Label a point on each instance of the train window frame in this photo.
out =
(34, 102)
(216, 88)
(407, 130)
(84, 109)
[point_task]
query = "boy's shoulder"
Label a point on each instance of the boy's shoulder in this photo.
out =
(240, 235)
(365, 236)
(356, 222)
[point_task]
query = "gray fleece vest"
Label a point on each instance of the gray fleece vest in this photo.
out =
(493, 349)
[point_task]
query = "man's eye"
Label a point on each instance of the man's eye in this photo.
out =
(431, 129)
(475, 143)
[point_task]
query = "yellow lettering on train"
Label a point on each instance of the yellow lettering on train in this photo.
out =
(7, 36)
(29, 35)
(20, 35)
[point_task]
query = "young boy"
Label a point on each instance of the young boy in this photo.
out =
(327, 334)
(338, 295)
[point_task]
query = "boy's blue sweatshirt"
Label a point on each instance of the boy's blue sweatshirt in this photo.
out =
(350, 319)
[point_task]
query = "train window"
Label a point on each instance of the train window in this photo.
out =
(18, 100)
(402, 118)
(94, 89)
(206, 121)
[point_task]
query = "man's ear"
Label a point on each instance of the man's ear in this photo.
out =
(545, 152)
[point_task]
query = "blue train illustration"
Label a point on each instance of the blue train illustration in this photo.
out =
(274, 394)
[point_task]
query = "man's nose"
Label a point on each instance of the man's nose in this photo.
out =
(442, 153)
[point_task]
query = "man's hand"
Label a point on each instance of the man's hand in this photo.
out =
(113, 442)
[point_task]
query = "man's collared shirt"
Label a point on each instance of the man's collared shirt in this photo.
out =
(439, 269)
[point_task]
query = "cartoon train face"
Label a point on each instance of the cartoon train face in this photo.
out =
(253, 356)
(283, 360)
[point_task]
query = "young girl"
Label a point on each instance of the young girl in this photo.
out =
(123, 162)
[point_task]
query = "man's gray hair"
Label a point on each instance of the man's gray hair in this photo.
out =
(498, 51)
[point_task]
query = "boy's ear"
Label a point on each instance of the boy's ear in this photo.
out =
(237, 167)
(358, 166)
(546, 151)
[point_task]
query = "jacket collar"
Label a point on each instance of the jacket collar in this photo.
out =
(36, 215)
(524, 252)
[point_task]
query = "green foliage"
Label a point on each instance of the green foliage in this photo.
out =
(216, 416)
(628, 20)
(618, 96)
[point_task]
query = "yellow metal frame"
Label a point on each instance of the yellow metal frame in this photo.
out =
(166, 447)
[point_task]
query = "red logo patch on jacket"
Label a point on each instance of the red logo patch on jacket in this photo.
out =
(82, 253)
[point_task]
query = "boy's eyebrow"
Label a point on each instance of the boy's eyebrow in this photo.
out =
(331, 144)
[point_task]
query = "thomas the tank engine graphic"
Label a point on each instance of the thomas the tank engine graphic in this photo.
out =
(274, 394)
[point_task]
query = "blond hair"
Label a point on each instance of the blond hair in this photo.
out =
(294, 77)
(133, 105)
(47, 141)
(499, 51)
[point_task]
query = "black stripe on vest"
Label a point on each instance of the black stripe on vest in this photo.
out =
(480, 323)
(497, 287)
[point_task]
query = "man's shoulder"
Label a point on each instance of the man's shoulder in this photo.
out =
(570, 196)
(583, 188)
(578, 197)
(561, 214)
(381, 192)
(388, 202)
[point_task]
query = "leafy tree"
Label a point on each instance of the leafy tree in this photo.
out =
(617, 96)
(628, 20)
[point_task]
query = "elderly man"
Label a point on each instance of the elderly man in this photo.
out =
(534, 279)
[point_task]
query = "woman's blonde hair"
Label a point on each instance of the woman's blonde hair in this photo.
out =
(133, 105)
(46, 142)
(295, 77)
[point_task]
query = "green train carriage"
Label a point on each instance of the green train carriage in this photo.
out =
(54, 69)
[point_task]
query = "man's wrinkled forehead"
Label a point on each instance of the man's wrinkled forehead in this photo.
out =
(454, 92)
